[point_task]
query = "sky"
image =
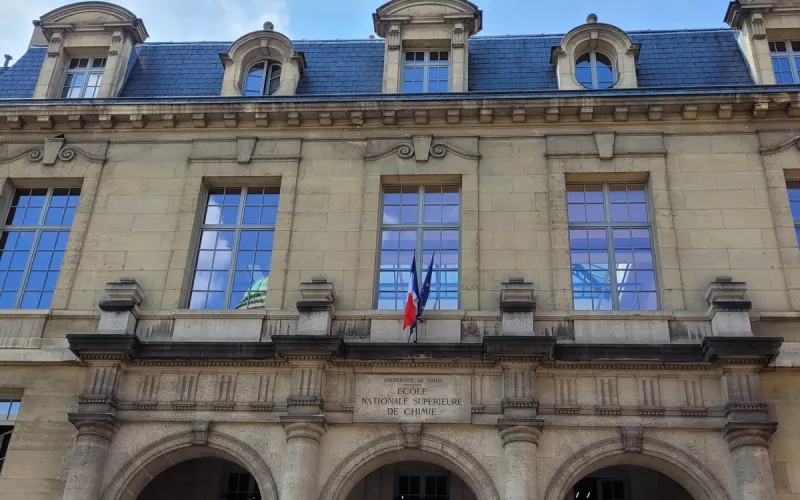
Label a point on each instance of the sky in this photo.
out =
(227, 20)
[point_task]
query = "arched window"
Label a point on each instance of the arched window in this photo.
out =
(263, 78)
(594, 70)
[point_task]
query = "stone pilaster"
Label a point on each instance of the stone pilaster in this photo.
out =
(315, 310)
(300, 463)
(520, 446)
(89, 455)
(517, 307)
(749, 445)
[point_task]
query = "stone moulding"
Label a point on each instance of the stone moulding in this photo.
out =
(274, 112)
(41, 154)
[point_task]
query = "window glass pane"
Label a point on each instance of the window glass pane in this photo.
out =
(605, 72)
(778, 46)
(413, 79)
(583, 70)
(255, 80)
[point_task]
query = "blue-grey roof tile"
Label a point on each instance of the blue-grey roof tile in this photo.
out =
(19, 81)
(497, 64)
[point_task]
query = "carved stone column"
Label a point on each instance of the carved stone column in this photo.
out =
(300, 463)
(750, 422)
(749, 445)
(89, 455)
(520, 446)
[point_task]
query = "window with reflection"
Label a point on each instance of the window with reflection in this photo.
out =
(83, 77)
(785, 61)
(425, 220)
(262, 78)
(9, 409)
(594, 70)
(32, 245)
(611, 247)
(426, 71)
(793, 188)
(233, 258)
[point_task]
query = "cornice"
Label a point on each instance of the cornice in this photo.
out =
(753, 103)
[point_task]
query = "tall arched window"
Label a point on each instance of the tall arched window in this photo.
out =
(263, 78)
(594, 70)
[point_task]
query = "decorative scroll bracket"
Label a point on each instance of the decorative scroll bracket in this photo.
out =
(55, 150)
(421, 148)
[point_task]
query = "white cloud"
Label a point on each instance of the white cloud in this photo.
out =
(166, 20)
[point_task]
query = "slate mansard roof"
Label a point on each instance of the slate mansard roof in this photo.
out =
(496, 64)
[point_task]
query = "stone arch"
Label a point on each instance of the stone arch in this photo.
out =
(177, 448)
(605, 38)
(392, 449)
(684, 469)
(265, 44)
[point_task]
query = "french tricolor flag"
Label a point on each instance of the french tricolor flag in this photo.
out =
(412, 303)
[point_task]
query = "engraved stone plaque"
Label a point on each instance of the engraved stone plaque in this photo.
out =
(412, 398)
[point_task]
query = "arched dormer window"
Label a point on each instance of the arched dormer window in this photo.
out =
(595, 70)
(263, 78)
(262, 63)
(595, 56)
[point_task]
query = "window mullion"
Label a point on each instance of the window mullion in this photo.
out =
(593, 63)
(27, 271)
(612, 264)
(47, 199)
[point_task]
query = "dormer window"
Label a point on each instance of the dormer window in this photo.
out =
(263, 78)
(785, 61)
(426, 71)
(83, 77)
(594, 70)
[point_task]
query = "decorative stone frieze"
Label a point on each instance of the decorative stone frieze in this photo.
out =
(421, 148)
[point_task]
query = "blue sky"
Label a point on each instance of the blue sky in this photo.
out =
(226, 20)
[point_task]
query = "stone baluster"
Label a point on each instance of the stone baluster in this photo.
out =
(520, 446)
(517, 307)
(315, 311)
(89, 455)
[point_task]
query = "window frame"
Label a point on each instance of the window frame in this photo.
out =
(790, 54)
(266, 79)
(609, 226)
(237, 228)
(9, 423)
(419, 227)
(794, 185)
(37, 229)
(427, 65)
(88, 71)
(593, 66)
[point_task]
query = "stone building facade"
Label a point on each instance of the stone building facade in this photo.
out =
(206, 251)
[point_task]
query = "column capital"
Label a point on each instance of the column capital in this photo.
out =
(738, 434)
(93, 424)
(313, 427)
(520, 430)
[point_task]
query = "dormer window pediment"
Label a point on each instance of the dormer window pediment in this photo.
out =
(426, 29)
(595, 56)
(264, 60)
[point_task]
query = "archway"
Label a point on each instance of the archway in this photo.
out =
(205, 478)
(431, 453)
(627, 482)
(681, 468)
(159, 457)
